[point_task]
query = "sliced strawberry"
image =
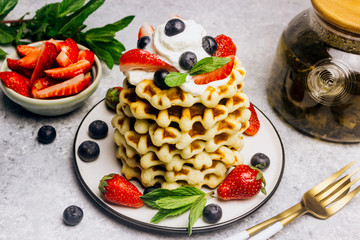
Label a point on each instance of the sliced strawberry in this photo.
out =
(24, 50)
(57, 44)
(42, 83)
(81, 66)
(254, 122)
(29, 61)
(65, 88)
(16, 82)
(145, 30)
(13, 64)
(86, 55)
(63, 59)
(225, 46)
(137, 59)
(45, 60)
(71, 50)
(217, 74)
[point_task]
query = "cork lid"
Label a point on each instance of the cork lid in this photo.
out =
(344, 14)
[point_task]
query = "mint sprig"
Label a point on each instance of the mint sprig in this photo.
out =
(174, 202)
(205, 65)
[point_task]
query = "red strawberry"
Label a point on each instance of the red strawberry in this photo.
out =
(13, 64)
(114, 188)
(29, 61)
(87, 55)
(225, 46)
(137, 59)
(69, 52)
(65, 88)
(16, 82)
(42, 83)
(45, 60)
(63, 73)
(145, 30)
(24, 50)
(217, 74)
(63, 59)
(254, 122)
(243, 182)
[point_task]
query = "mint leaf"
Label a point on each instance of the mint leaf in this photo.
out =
(164, 213)
(5, 7)
(7, 35)
(173, 202)
(188, 191)
(2, 54)
(175, 79)
(208, 64)
(69, 6)
(196, 212)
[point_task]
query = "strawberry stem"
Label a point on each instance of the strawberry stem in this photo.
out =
(15, 21)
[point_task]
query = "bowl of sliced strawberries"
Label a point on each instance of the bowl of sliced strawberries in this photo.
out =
(50, 78)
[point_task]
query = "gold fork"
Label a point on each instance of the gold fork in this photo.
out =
(316, 201)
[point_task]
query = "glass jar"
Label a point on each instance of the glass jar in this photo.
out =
(315, 79)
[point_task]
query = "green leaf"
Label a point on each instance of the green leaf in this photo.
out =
(5, 7)
(196, 212)
(175, 79)
(2, 54)
(102, 54)
(188, 191)
(208, 64)
(69, 6)
(19, 34)
(111, 45)
(164, 213)
(7, 35)
(173, 202)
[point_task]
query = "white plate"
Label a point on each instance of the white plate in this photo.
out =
(266, 141)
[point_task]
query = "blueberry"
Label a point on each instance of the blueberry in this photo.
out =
(260, 161)
(98, 129)
(212, 213)
(73, 215)
(150, 189)
(187, 60)
(46, 134)
(143, 42)
(209, 45)
(174, 26)
(88, 151)
(159, 79)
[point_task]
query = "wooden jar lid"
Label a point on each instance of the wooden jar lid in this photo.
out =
(344, 14)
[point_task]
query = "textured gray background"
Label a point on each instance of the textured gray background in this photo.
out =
(37, 182)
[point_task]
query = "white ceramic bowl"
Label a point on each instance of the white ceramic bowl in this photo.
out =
(53, 107)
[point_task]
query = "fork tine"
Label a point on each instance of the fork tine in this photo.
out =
(341, 203)
(341, 191)
(329, 191)
(321, 186)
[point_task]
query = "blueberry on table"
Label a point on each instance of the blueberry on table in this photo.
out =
(159, 79)
(143, 42)
(46, 134)
(73, 215)
(260, 161)
(187, 60)
(88, 151)
(98, 129)
(209, 45)
(174, 26)
(212, 213)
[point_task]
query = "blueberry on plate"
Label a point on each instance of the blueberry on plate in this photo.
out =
(143, 42)
(209, 45)
(174, 26)
(187, 60)
(73, 215)
(98, 129)
(260, 161)
(88, 151)
(46, 134)
(159, 79)
(212, 213)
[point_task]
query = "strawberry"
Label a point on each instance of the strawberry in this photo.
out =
(69, 52)
(42, 83)
(63, 73)
(254, 122)
(243, 182)
(16, 82)
(87, 55)
(45, 60)
(65, 88)
(217, 74)
(225, 46)
(145, 30)
(29, 61)
(114, 188)
(143, 60)
(112, 97)
(24, 50)
(13, 64)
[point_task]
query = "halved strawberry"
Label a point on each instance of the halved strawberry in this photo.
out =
(145, 30)
(225, 46)
(13, 64)
(16, 82)
(29, 61)
(45, 60)
(42, 83)
(65, 88)
(254, 122)
(81, 66)
(138, 59)
(69, 52)
(86, 55)
(63, 59)
(24, 50)
(217, 74)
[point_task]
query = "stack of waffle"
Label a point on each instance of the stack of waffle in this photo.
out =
(174, 138)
